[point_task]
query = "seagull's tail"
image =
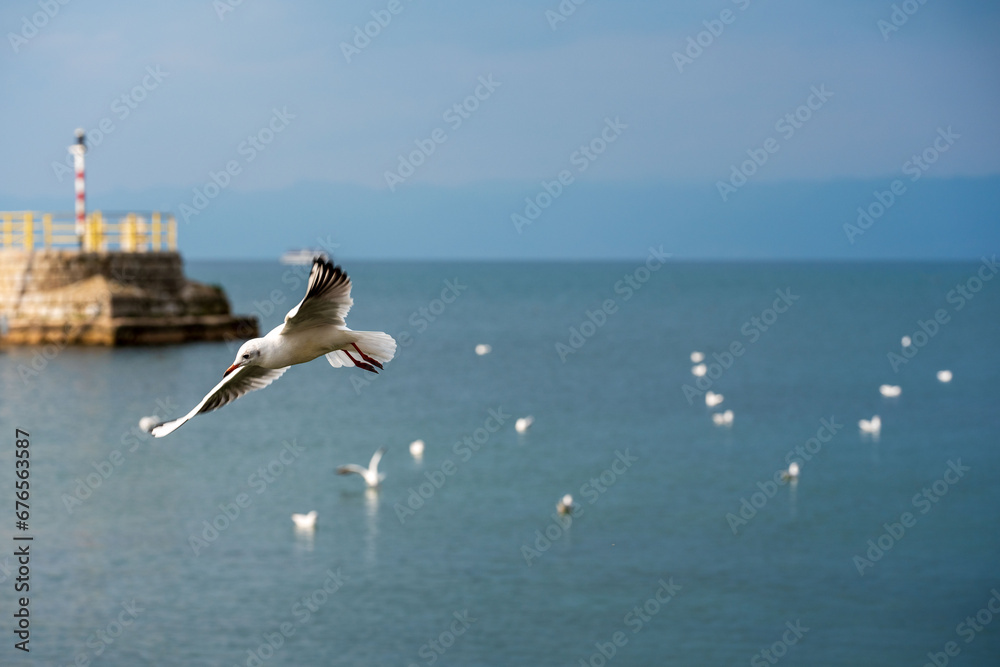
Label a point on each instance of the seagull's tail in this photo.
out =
(376, 344)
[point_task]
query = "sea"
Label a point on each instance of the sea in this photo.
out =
(686, 545)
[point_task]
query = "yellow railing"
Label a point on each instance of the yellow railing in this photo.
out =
(125, 232)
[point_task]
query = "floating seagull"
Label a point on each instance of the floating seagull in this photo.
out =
(873, 425)
(305, 521)
(792, 473)
(370, 474)
(944, 376)
(565, 505)
(697, 357)
(483, 348)
(313, 328)
(699, 370)
(906, 341)
(723, 418)
(523, 423)
(417, 448)
(712, 399)
(890, 390)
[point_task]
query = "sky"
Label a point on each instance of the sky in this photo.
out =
(516, 130)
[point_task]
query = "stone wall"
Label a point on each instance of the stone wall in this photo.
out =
(110, 298)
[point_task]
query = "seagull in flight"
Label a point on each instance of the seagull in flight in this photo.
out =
(370, 474)
(313, 328)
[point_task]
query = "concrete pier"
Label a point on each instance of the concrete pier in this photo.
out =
(109, 298)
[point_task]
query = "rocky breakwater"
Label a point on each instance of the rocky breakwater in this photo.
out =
(110, 298)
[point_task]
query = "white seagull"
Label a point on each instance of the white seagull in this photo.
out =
(697, 357)
(890, 390)
(712, 399)
(792, 473)
(944, 376)
(483, 349)
(417, 448)
(313, 328)
(305, 521)
(873, 425)
(370, 474)
(523, 424)
(699, 370)
(565, 505)
(723, 418)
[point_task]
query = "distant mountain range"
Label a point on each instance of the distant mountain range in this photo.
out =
(927, 219)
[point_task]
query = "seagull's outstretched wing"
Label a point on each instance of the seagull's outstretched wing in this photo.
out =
(327, 299)
(376, 457)
(351, 468)
(241, 381)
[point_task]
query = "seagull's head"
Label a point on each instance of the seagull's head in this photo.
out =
(249, 355)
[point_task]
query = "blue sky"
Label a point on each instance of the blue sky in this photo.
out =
(198, 85)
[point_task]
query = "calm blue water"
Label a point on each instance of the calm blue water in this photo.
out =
(399, 584)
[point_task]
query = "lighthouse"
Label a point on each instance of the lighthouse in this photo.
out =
(78, 149)
(102, 279)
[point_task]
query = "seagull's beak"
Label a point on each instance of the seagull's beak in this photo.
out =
(230, 369)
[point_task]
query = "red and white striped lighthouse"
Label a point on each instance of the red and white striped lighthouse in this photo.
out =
(78, 149)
